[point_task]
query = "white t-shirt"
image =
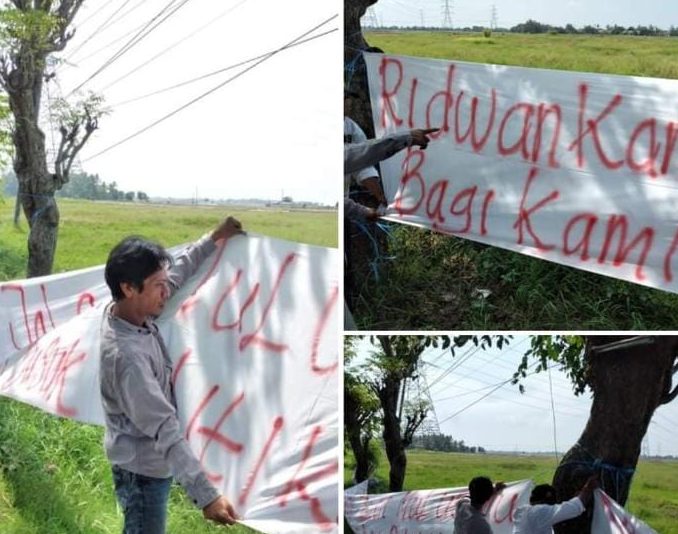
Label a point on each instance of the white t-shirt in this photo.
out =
(540, 518)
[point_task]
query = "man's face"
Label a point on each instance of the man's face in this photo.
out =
(151, 300)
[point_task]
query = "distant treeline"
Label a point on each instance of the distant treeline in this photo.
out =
(532, 26)
(82, 185)
(444, 443)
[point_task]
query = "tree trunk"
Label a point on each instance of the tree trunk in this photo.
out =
(628, 385)
(354, 432)
(36, 184)
(393, 443)
(355, 75)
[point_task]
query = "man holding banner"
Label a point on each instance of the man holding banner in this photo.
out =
(144, 441)
(543, 512)
(469, 518)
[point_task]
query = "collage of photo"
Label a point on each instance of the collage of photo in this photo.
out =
(197, 336)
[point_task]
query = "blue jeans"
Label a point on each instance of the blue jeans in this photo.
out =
(143, 500)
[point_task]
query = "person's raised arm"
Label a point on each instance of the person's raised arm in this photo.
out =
(189, 261)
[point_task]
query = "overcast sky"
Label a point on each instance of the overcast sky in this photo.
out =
(274, 129)
(509, 421)
(509, 12)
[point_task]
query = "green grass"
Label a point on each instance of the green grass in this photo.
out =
(54, 476)
(433, 281)
(653, 498)
(635, 56)
(89, 230)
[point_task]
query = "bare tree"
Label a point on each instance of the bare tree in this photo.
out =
(29, 32)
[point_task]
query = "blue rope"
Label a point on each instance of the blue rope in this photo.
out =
(619, 475)
(378, 257)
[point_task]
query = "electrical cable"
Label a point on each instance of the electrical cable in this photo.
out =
(207, 93)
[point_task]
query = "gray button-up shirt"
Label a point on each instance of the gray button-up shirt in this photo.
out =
(143, 434)
(357, 156)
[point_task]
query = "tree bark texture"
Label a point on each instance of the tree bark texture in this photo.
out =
(628, 385)
(355, 74)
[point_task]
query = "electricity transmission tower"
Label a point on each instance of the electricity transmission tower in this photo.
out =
(371, 18)
(448, 12)
(418, 394)
(494, 18)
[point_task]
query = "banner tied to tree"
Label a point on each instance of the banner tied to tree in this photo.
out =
(258, 319)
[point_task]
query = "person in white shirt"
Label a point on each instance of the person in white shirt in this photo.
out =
(543, 512)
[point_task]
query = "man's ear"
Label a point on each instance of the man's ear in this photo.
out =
(128, 289)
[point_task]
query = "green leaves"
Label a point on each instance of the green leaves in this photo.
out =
(35, 28)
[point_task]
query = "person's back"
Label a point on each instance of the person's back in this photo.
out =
(540, 518)
(468, 517)
(543, 511)
(469, 520)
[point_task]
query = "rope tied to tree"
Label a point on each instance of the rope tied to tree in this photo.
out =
(620, 475)
(378, 258)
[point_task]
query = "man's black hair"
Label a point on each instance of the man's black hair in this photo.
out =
(132, 261)
(543, 494)
(480, 489)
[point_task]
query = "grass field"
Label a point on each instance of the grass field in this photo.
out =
(654, 492)
(54, 477)
(432, 281)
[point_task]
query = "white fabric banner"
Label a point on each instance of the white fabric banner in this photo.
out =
(254, 341)
(570, 167)
(610, 518)
(428, 511)
(432, 511)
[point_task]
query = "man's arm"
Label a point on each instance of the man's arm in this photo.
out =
(358, 156)
(144, 403)
(189, 260)
(355, 210)
(567, 510)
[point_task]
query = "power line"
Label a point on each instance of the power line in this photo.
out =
(100, 28)
(70, 62)
(136, 39)
(214, 73)
(174, 45)
(209, 92)
(93, 14)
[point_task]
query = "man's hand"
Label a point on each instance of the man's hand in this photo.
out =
(499, 486)
(586, 493)
(420, 137)
(228, 228)
(372, 215)
(220, 511)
